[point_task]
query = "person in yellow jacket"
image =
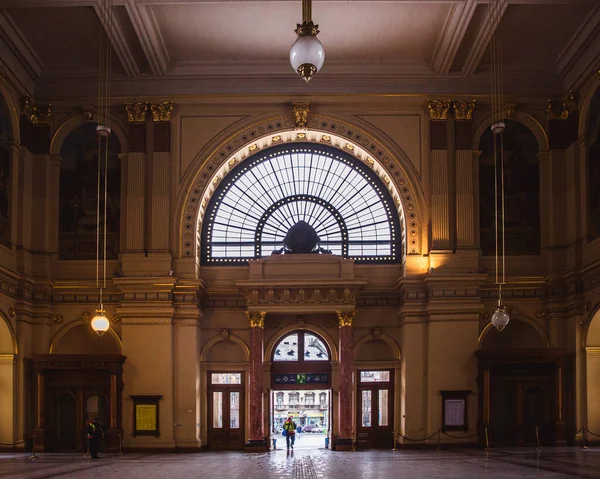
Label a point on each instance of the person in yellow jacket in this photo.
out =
(289, 427)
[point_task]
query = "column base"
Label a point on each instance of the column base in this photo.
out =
(256, 445)
(343, 444)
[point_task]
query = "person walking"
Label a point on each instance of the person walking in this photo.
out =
(289, 427)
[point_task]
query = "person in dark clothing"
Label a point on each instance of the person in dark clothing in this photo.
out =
(94, 433)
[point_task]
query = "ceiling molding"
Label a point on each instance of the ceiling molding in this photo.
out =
(456, 25)
(118, 41)
(579, 45)
(487, 30)
(88, 3)
(12, 36)
(149, 36)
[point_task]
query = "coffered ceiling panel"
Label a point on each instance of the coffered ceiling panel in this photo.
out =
(352, 32)
(533, 36)
(65, 39)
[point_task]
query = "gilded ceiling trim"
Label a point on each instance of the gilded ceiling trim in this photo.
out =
(320, 129)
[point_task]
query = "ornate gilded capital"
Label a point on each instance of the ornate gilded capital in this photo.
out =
(301, 112)
(463, 110)
(346, 317)
(307, 28)
(38, 115)
(438, 109)
(136, 112)
(561, 110)
(256, 318)
(162, 111)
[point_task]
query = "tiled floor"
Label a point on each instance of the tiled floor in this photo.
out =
(303, 464)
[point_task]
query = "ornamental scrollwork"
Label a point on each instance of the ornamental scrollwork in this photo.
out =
(301, 112)
(256, 319)
(438, 109)
(162, 111)
(346, 317)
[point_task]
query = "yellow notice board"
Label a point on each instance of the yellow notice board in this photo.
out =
(145, 417)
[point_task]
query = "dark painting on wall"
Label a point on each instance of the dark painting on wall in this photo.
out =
(521, 189)
(5, 170)
(78, 199)
(593, 168)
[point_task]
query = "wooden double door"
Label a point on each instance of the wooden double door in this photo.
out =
(226, 412)
(375, 411)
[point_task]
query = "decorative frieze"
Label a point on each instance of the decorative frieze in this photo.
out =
(302, 295)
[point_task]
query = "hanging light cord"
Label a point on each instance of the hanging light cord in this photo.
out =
(498, 138)
(103, 135)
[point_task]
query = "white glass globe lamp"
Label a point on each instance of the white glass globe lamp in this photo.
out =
(500, 318)
(307, 54)
(100, 322)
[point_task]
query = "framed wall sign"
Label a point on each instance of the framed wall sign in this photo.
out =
(454, 410)
(146, 415)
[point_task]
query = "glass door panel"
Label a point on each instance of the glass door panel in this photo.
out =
(234, 409)
(366, 409)
(382, 417)
(217, 409)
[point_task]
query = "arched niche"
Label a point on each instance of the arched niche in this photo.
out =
(8, 342)
(376, 347)
(521, 190)
(520, 333)
(210, 167)
(591, 333)
(78, 193)
(592, 136)
(79, 338)
(226, 348)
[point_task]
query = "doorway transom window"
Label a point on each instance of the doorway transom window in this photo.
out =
(302, 346)
(311, 198)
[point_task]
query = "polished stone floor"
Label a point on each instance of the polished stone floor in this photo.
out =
(312, 464)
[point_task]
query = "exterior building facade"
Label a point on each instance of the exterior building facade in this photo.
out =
(200, 306)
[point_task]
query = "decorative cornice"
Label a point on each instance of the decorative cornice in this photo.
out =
(161, 111)
(463, 110)
(563, 109)
(37, 115)
(438, 109)
(346, 317)
(301, 112)
(136, 112)
(256, 319)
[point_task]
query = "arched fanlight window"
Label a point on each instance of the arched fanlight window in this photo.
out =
(301, 198)
(301, 346)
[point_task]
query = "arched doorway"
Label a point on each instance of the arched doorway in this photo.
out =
(301, 387)
(225, 361)
(375, 361)
(522, 386)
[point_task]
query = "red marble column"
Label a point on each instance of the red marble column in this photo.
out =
(345, 370)
(256, 441)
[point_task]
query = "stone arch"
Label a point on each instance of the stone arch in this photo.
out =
(390, 166)
(8, 338)
(72, 123)
(590, 335)
(224, 337)
(269, 349)
(55, 342)
(541, 333)
(391, 342)
(524, 118)
(585, 104)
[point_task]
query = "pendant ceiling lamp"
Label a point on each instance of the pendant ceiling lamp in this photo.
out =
(100, 323)
(307, 54)
(500, 318)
